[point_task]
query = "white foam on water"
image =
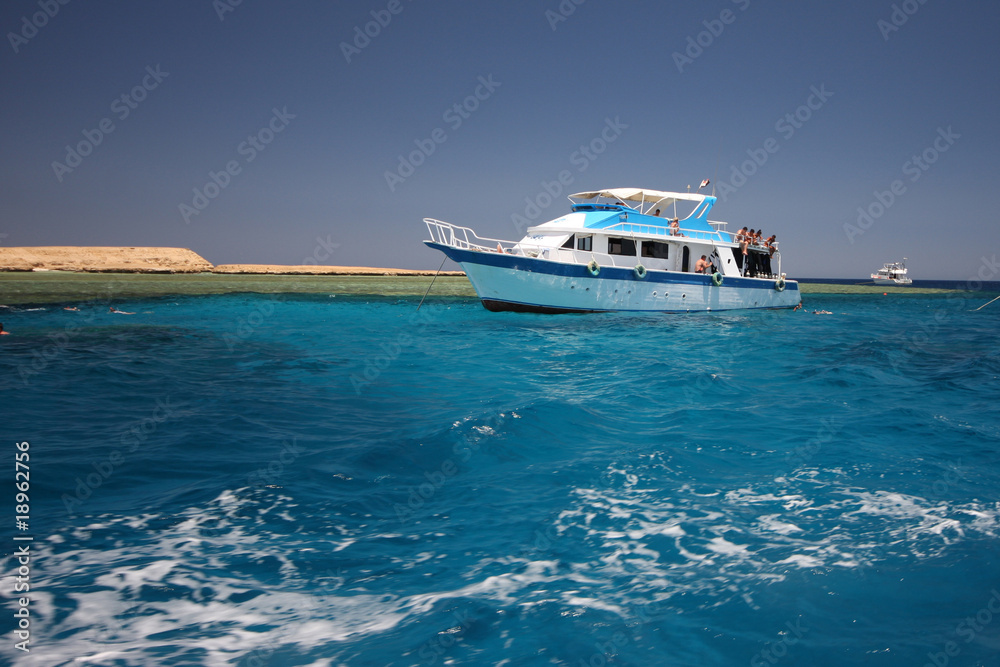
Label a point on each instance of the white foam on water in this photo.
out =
(591, 603)
(177, 590)
(169, 582)
(721, 545)
(771, 523)
(802, 560)
(715, 550)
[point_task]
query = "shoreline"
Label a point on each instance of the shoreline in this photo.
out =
(166, 261)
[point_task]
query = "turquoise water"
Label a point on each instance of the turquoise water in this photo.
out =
(307, 480)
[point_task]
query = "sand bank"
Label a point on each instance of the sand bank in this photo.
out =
(103, 259)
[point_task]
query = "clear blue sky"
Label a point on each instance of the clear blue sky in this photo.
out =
(329, 122)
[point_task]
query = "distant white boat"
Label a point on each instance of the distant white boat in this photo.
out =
(893, 273)
(614, 252)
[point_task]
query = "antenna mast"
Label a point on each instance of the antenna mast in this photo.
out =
(717, 159)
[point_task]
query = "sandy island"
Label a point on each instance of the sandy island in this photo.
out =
(94, 259)
(308, 269)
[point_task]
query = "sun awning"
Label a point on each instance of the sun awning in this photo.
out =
(640, 195)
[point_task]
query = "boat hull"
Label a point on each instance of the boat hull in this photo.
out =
(891, 281)
(507, 282)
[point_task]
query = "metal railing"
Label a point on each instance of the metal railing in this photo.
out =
(657, 230)
(465, 238)
(446, 233)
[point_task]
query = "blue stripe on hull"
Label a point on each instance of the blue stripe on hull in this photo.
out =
(498, 306)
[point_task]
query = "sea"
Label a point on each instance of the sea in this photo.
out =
(346, 479)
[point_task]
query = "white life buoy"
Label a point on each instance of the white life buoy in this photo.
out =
(594, 267)
(779, 284)
(716, 278)
(639, 271)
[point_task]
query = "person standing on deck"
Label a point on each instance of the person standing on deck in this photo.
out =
(741, 238)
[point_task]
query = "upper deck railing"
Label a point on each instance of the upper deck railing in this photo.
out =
(658, 230)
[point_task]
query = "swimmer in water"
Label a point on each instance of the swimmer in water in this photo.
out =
(2, 332)
(112, 309)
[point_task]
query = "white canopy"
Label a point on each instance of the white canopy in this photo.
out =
(640, 195)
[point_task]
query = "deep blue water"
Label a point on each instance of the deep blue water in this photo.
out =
(303, 480)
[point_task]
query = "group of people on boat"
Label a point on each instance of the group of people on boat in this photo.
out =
(754, 257)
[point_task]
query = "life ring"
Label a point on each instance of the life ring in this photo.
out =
(779, 284)
(716, 278)
(594, 267)
(639, 271)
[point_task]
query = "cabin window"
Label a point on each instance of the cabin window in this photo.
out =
(621, 247)
(656, 250)
(585, 243)
(569, 242)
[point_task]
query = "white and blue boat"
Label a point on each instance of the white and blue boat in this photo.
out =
(892, 273)
(623, 249)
